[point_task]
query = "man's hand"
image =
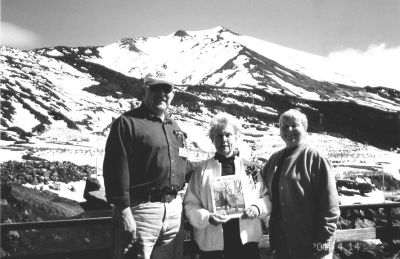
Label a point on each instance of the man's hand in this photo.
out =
(251, 212)
(216, 219)
(127, 221)
(128, 227)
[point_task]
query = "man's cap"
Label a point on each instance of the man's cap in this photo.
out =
(156, 79)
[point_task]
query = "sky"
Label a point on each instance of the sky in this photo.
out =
(356, 33)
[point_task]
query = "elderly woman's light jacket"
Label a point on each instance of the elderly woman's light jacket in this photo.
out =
(198, 205)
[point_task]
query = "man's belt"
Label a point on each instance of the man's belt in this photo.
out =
(165, 195)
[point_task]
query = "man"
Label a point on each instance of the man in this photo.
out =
(145, 165)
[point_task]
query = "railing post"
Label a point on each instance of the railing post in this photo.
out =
(389, 224)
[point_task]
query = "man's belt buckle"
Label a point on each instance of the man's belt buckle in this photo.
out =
(167, 198)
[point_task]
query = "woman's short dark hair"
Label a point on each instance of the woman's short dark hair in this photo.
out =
(294, 114)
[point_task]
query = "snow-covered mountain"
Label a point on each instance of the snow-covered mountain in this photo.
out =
(73, 93)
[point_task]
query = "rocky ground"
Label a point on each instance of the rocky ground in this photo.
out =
(23, 204)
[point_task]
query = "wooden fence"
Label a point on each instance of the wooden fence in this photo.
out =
(387, 233)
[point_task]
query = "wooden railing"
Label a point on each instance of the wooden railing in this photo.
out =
(386, 233)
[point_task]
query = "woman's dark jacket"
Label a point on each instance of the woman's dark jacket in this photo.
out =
(308, 198)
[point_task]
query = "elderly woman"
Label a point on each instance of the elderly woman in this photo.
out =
(305, 205)
(217, 234)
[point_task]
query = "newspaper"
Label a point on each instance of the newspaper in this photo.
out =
(228, 196)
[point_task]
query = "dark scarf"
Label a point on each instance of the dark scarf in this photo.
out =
(227, 163)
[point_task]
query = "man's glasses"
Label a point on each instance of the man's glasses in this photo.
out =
(166, 88)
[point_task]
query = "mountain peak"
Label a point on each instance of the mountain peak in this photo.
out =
(222, 29)
(181, 33)
(128, 43)
(217, 31)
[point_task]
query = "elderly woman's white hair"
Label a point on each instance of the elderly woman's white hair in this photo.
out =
(294, 114)
(219, 122)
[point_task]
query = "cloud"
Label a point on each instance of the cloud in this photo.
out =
(377, 66)
(18, 37)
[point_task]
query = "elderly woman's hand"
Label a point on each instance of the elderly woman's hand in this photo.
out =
(216, 219)
(251, 212)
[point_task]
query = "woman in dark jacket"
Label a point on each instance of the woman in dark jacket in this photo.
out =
(305, 205)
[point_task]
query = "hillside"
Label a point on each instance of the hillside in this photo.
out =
(83, 88)
(64, 99)
(57, 104)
